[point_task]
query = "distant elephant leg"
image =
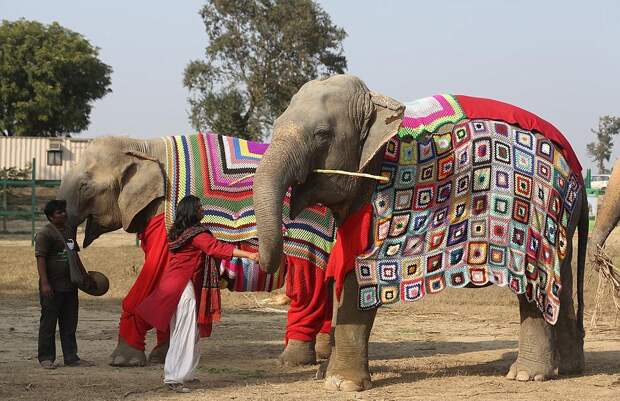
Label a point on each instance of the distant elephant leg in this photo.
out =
(536, 359)
(348, 364)
(323, 346)
(324, 343)
(158, 353)
(569, 337)
(298, 353)
(124, 355)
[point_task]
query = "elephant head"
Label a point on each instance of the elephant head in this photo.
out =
(608, 213)
(118, 183)
(334, 123)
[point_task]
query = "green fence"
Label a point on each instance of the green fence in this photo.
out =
(34, 212)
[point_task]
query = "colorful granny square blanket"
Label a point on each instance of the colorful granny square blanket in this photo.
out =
(213, 168)
(469, 201)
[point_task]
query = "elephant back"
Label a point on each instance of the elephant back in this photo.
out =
(219, 170)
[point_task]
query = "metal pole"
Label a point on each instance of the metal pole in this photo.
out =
(4, 202)
(33, 207)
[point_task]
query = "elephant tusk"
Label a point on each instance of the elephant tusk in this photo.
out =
(322, 171)
(352, 174)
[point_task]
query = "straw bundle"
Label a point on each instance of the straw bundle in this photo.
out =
(608, 282)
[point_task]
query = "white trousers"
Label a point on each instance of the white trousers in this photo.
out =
(183, 352)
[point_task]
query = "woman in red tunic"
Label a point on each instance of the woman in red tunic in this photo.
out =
(191, 274)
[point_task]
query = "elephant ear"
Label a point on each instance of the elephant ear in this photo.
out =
(388, 114)
(142, 182)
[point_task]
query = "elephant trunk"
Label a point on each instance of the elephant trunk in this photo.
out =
(68, 193)
(277, 171)
(608, 213)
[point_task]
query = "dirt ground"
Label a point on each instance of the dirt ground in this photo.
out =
(456, 345)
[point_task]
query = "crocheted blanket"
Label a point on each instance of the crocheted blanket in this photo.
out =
(213, 168)
(469, 201)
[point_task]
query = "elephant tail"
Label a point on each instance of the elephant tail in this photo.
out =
(583, 227)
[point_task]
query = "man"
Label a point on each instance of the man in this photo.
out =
(58, 296)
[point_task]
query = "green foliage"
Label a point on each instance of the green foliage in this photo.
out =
(14, 173)
(260, 53)
(600, 151)
(49, 77)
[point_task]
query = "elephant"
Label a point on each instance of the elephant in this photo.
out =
(608, 212)
(337, 123)
(119, 183)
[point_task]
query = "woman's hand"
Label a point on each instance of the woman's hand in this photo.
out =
(245, 254)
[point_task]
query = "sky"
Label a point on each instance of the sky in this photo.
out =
(558, 59)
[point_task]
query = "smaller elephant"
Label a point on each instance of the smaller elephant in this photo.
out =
(121, 183)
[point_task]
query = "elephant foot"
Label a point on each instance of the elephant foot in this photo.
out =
(158, 354)
(347, 371)
(323, 346)
(298, 353)
(338, 383)
(126, 356)
(524, 371)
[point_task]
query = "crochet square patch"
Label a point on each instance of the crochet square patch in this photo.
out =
(412, 290)
(414, 245)
(368, 297)
(481, 179)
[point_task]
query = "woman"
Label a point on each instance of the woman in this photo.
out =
(191, 274)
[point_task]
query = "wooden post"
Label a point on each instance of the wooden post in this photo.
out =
(33, 206)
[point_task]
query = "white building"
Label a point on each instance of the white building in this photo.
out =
(54, 156)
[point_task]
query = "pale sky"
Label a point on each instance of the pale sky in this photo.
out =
(558, 59)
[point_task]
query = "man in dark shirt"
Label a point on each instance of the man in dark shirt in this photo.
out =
(58, 296)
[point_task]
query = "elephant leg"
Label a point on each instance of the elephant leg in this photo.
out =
(323, 346)
(125, 355)
(310, 307)
(536, 359)
(324, 343)
(347, 369)
(158, 353)
(569, 335)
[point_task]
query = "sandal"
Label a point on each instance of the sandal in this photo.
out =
(177, 388)
(47, 365)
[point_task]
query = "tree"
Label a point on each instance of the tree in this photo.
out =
(259, 53)
(49, 77)
(600, 151)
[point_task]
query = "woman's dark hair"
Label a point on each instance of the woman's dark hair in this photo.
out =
(186, 216)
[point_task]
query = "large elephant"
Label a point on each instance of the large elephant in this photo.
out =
(119, 183)
(338, 124)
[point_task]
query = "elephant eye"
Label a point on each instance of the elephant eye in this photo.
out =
(323, 132)
(85, 190)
